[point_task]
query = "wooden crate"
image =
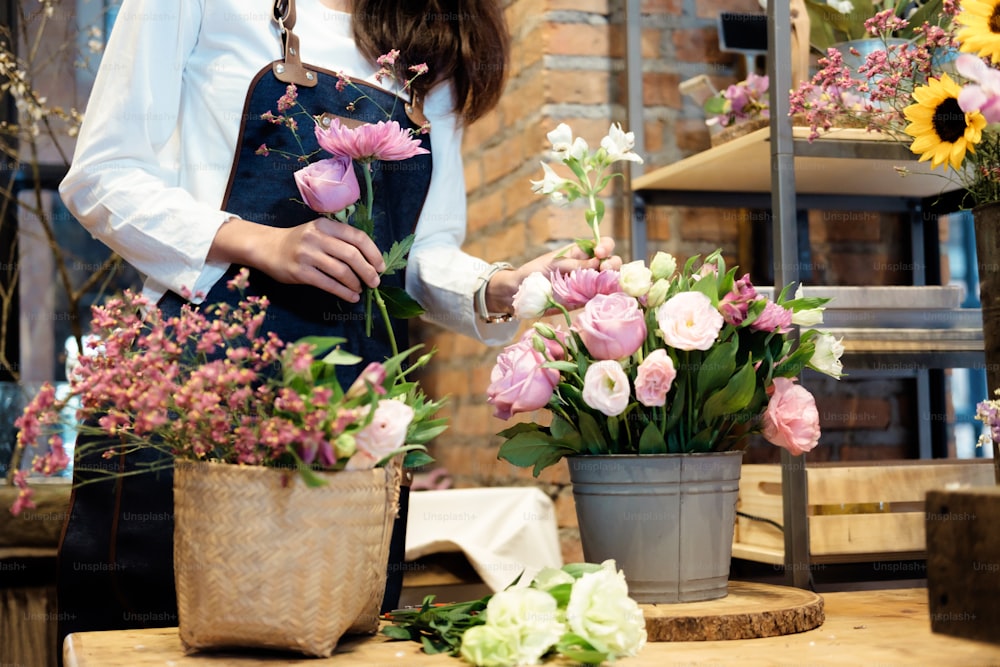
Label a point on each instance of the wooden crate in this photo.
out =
(858, 511)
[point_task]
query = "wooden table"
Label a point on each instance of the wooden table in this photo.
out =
(885, 627)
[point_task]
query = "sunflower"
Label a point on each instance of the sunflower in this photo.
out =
(941, 131)
(980, 33)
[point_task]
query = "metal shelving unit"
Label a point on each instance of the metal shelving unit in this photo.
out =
(776, 167)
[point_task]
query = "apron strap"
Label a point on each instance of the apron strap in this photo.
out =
(290, 69)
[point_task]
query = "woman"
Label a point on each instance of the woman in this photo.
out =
(168, 173)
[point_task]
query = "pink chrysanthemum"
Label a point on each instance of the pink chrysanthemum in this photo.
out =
(368, 142)
(575, 289)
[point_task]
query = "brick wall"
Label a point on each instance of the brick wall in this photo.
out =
(569, 67)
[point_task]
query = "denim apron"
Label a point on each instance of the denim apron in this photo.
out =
(115, 566)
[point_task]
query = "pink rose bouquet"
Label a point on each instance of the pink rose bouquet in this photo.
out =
(657, 359)
(205, 385)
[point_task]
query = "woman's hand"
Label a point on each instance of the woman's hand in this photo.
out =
(324, 253)
(503, 286)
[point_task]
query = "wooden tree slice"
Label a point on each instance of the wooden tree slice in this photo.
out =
(750, 610)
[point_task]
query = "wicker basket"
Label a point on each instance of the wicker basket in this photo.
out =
(262, 560)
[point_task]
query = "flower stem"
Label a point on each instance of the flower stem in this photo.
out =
(385, 318)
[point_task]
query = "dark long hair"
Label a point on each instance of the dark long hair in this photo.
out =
(463, 41)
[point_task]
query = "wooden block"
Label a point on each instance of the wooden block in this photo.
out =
(963, 562)
(750, 610)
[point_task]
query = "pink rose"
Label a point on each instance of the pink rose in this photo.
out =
(654, 378)
(328, 186)
(689, 321)
(791, 419)
(518, 383)
(773, 318)
(386, 432)
(579, 286)
(611, 326)
(605, 387)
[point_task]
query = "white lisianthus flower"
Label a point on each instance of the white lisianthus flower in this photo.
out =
(826, 356)
(606, 387)
(808, 317)
(529, 617)
(561, 139)
(550, 183)
(600, 611)
(689, 321)
(487, 646)
(635, 278)
(533, 297)
(657, 293)
(663, 265)
(619, 145)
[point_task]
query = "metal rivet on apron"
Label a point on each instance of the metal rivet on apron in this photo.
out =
(280, 68)
(309, 75)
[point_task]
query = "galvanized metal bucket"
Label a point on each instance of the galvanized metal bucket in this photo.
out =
(666, 519)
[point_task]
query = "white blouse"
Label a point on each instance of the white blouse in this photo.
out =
(160, 132)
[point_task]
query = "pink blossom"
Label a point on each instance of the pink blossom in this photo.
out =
(288, 100)
(773, 318)
(688, 321)
(984, 97)
(734, 304)
(367, 142)
(24, 494)
(654, 377)
(371, 378)
(791, 419)
(605, 387)
(576, 288)
(518, 382)
(328, 186)
(611, 326)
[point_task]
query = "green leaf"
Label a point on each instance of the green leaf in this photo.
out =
(399, 303)
(709, 286)
(396, 632)
(362, 220)
(533, 449)
(340, 357)
(395, 258)
(717, 367)
(520, 427)
(321, 344)
(733, 397)
(561, 429)
(586, 245)
(562, 366)
(417, 458)
(651, 441)
(591, 434)
(561, 594)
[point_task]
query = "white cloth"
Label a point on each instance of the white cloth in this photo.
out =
(154, 154)
(503, 531)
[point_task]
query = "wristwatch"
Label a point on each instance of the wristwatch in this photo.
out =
(484, 279)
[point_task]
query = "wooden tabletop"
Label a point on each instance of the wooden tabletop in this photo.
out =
(885, 627)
